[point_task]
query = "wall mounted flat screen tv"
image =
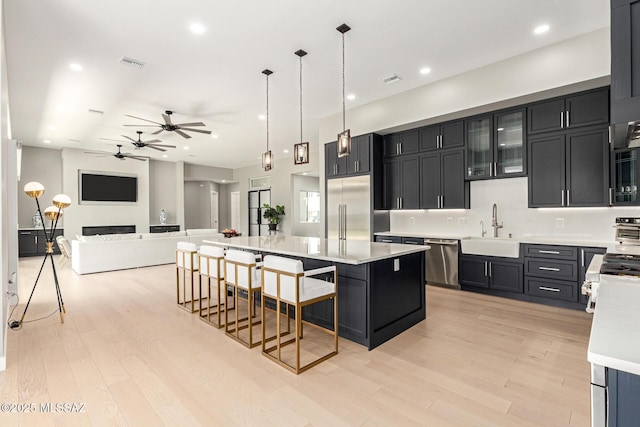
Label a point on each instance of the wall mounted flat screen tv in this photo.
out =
(100, 187)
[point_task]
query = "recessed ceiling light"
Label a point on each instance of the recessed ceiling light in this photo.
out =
(285, 151)
(214, 135)
(351, 97)
(165, 155)
(425, 70)
(46, 141)
(197, 28)
(185, 148)
(541, 29)
(224, 180)
(75, 67)
(262, 117)
(304, 173)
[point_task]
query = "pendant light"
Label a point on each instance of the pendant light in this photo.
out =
(344, 137)
(267, 157)
(301, 150)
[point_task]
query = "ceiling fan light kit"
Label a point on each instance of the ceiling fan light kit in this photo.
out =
(344, 137)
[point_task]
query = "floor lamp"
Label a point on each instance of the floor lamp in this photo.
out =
(52, 213)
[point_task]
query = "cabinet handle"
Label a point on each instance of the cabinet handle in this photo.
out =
(441, 201)
(568, 124)
(485, 268)
(440, 142)
(25, 233)
(386, 241)
(568, 198)
(548, 269)
(490, 169)
(544, 288)
(610, 196)
(495, 168)
(562, 191)
(541, 251)
(610, 139)
(357, 165)
(490, 273)
(401, 200)
(582, 256)
(562, 120)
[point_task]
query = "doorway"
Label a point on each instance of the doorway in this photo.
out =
(215, 212)
(257, 199)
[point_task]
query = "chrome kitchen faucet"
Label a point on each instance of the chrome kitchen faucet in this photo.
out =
(494, 221)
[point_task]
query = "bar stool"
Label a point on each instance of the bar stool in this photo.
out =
(211, 268)
(242, 274)
(187, 268)
(285, 280)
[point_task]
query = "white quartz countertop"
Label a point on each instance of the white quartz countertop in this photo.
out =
(348, 252)
(541, 240)
(615, 332)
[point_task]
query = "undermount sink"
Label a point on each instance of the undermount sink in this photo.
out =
(490, 246)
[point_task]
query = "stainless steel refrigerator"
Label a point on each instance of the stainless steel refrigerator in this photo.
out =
(349, 212)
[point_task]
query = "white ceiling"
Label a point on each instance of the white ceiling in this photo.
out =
(216, 77)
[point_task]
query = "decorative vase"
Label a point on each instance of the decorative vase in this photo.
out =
(163, 217)
(37, 220)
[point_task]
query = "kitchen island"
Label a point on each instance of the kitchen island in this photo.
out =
(381, 290)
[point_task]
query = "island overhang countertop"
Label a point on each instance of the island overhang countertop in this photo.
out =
(343, 251)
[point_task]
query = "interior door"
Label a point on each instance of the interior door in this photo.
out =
(214, 210)
(264, 196)
(254, 213)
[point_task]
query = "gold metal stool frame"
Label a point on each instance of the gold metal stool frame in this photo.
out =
(209, 309)
(182, 256)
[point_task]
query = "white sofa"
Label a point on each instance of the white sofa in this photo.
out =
(93, 254)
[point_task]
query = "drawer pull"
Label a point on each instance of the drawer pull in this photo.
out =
(25, 233)
(548, 252)
(386, 241)
(544, 288)
(548, 269)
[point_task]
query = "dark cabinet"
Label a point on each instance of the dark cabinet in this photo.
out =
(401, 182)
(551, 271)
(491, 272)
(625, 60)
(625, 170)
(442, 184)
(496, 145)
(358, 161)
(388, 239)
(586, 255)
(569, 169)
(163, 228)
(352, 308)
(397, 144)
(442, 136)
(32, 242)
(334, 166)
(581, 109)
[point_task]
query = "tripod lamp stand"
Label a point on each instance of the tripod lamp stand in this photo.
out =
(52, 213)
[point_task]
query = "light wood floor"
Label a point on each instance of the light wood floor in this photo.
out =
(133, 358)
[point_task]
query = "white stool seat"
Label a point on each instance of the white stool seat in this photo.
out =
(210, 267)
(308, 287)
(246, 258)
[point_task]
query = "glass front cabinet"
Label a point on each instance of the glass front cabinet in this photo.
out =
(624, 179)
(496, 145)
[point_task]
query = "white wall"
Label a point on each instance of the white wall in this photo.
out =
(78, 215)
(162, 191)
(197, 200)
(303, 183)
(280, 185)
(43, 165)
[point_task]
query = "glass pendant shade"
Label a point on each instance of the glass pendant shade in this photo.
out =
(267, 161)
(301, 153)
(344, 143)
(344, 137)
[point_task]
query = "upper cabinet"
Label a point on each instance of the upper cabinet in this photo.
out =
(401, 183)
(444, 135)
(358, 162)
(582, 109)
(397, 144)
(569, 169)
(625, 60)
(442, 184)
(496, 145)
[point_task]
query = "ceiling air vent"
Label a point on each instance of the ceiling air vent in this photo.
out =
(391, 78)
(135, 63)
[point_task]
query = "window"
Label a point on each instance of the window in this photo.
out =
(309, 206)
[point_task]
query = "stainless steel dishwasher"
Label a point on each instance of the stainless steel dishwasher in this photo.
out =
(442, 262)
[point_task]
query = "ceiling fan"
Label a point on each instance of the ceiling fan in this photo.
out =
(118, 155)
(171, 127)
(141, 144)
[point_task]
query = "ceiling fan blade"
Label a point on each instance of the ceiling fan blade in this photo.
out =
(161, 145)
(141, 126)
(97, 152)
(197, 130)
(140, 118)
(153, 141)
(129, 138)
(155, 147)
(109, 139)
(167, 119)
(182, 125)
(157, 132)
(141, 158)
(182, 134)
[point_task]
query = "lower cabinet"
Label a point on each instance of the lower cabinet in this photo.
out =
(32, 242)
(504, 274)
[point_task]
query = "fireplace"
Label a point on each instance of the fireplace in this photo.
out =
(107, 229)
